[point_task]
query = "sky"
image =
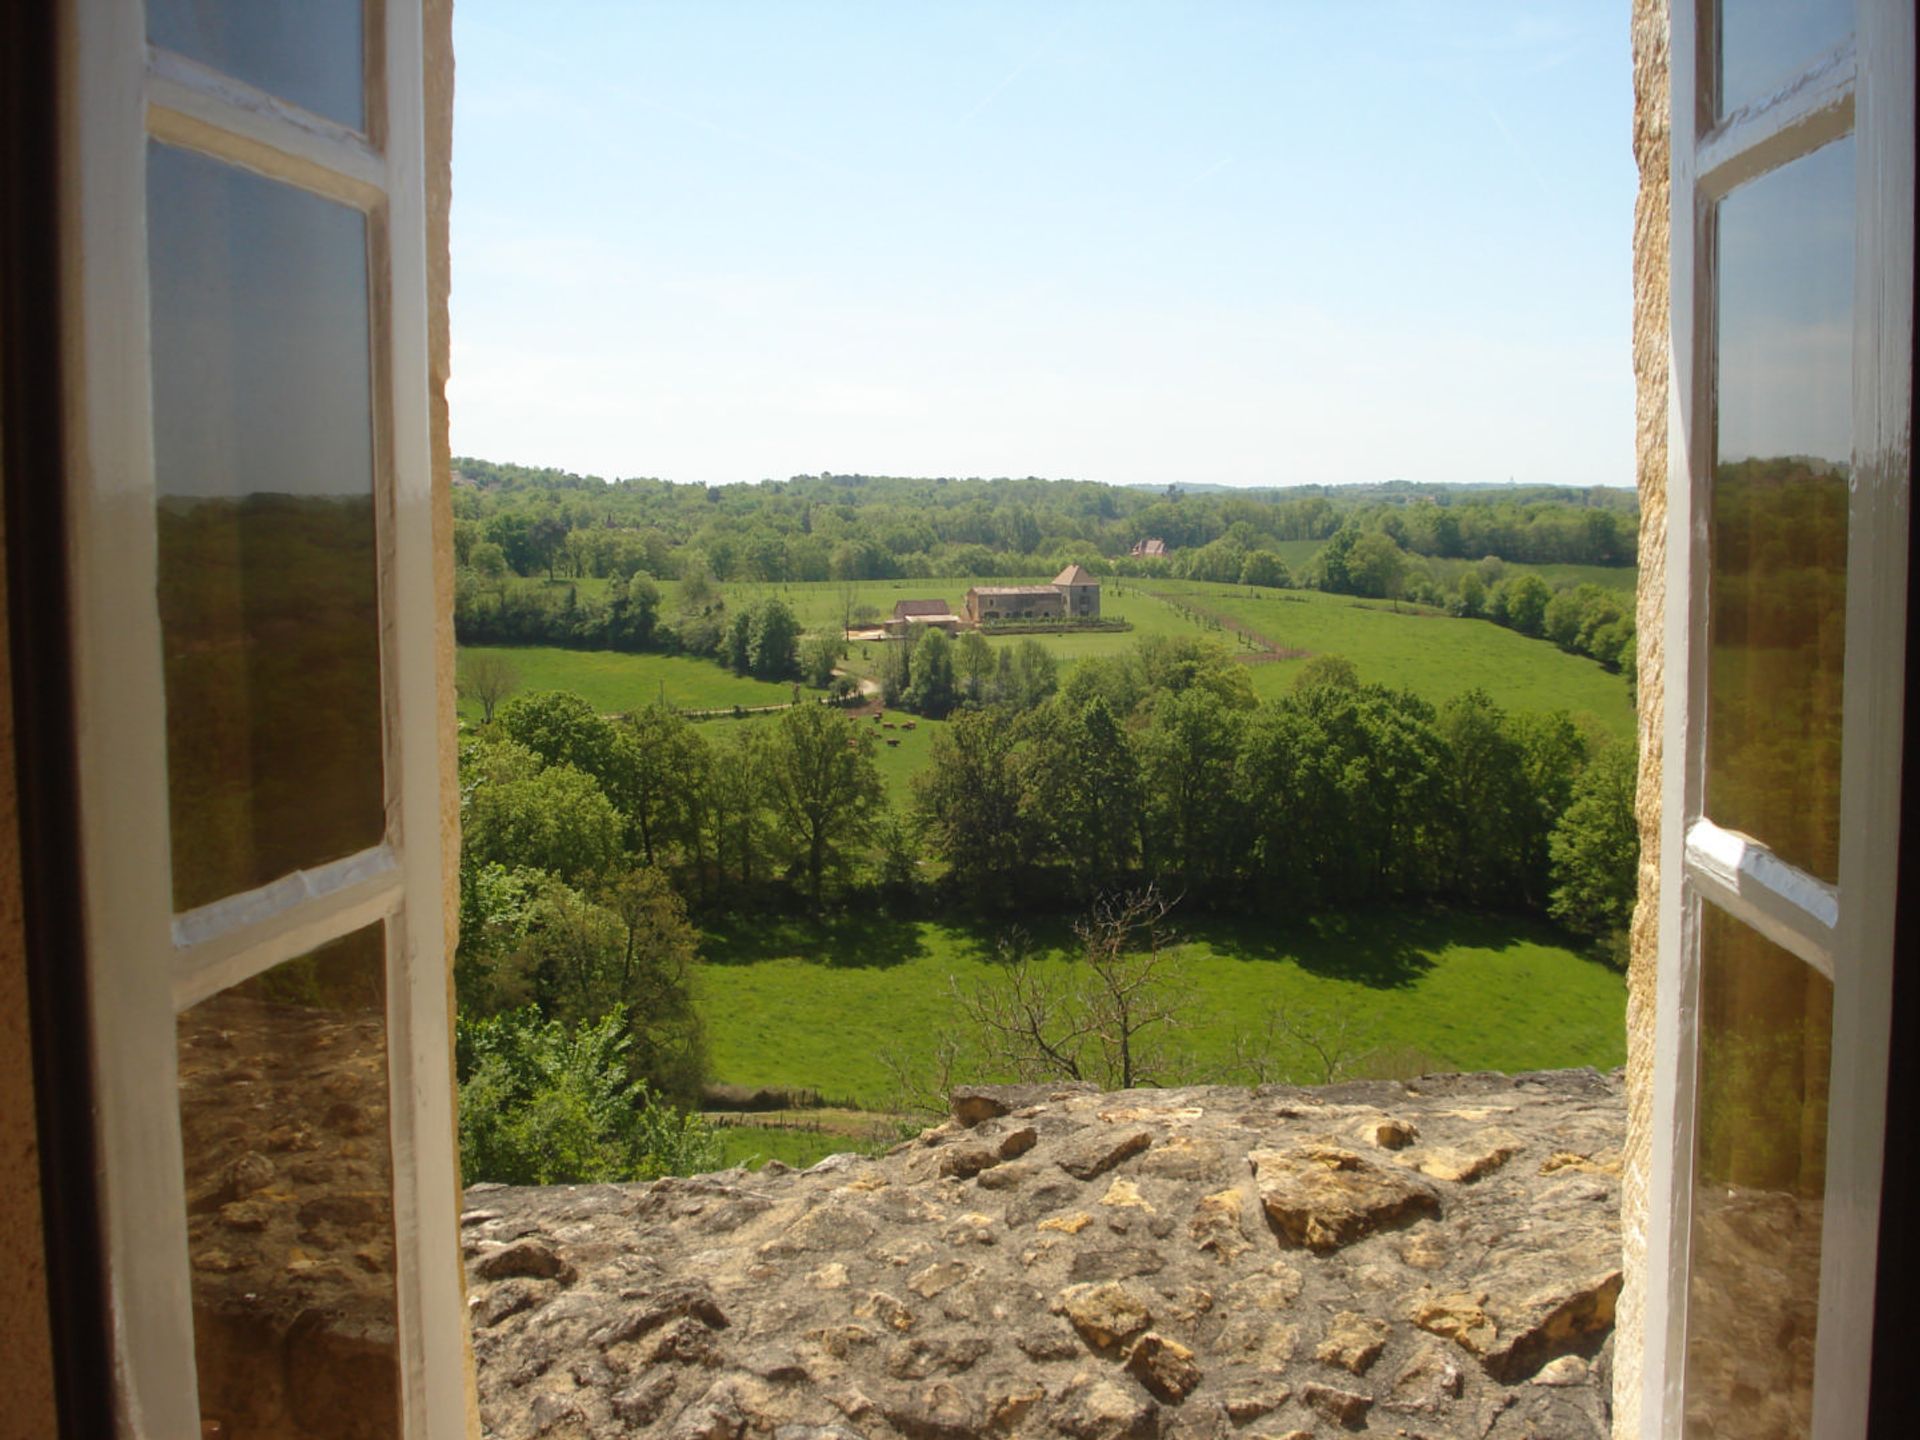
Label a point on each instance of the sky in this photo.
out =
(1135, 241)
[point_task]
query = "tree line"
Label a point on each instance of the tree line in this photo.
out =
(1162, 768)
(860, 527)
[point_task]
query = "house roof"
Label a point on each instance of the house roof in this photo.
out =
(1076, 575)
(1149, 547)
(1013, 590)
(903, 608)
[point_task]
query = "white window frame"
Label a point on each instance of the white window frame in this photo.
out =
(143, 963)
(1864, 88)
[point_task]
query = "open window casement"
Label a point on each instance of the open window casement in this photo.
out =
(254, 632)
(1791, 382)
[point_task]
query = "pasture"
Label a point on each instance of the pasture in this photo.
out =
(801, 1004)
(614, 682)
(1434, 655)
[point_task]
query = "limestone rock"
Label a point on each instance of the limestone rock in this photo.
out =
(1389, 1132)
(1323, 1196)
(1106, 1313)
(1101, 1410)
(1216, 1225)
(1344, 1406)
(1465, 1164)
(1164, 1366)
(1099, 1150)
(1155, 1295)
(1353, 1342)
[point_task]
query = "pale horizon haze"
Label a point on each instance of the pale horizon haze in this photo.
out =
(1139, 242)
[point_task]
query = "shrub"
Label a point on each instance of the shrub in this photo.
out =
(545, 1103)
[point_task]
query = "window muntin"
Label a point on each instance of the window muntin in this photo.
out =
(305, 51)
(289, 1184)
(1760, 1143)
(146, 962)
(263, 468)
(1765, 44)
(1776, 601)
(1855, 82)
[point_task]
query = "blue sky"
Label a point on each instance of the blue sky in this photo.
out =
(1121, 240)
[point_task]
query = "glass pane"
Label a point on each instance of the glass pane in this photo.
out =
(1766, 1026)
(1764, 44)
(306, 51)
(1778, 587)
(263, 450)
(283, 1118)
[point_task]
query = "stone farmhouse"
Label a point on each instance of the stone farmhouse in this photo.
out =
(910, 615)
(1149, 550)
(1073, 594)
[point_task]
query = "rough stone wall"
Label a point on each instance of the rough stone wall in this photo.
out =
(1650, 361)
(1437, 1260)
(24, 1321)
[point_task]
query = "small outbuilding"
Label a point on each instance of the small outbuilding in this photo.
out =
(910, 615)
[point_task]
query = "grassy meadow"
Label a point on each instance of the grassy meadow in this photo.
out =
(801, 1004)
(1434, 655)
(613, 682)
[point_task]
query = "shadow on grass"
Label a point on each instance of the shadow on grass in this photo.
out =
(1383, 949)
(844, 941)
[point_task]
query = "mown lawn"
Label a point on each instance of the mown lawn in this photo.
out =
(613, 682)
(798, 1004)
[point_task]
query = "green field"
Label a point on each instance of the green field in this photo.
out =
(1433, 655)
(613, 682)
(796, 1004)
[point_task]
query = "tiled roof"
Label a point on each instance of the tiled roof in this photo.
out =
(903, 608)
(1076, 575)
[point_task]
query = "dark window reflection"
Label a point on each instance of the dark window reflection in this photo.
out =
(263, 447)
(283, 1117)
(306, 51)
(1766, 1024)
(1777, 593)
(1764, 44)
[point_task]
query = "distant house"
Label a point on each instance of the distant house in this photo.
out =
(1080, 588)
(1015, 602)
(1149, 550)
(1074, 594)
(909, 615)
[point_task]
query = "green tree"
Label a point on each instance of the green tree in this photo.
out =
(1263, 567)
(1377, 566)
(967, 802)
(1036, 675)
(489, 562)
(1489, 803)
(1187, 763)
(974, 664)
(658, 765)
(824, 787)
(515, 812)
(544, 1102)
(488, 679)
(1523, 601)
(933, 691)
(773, 641)
(562, 729)
(1080, 791)
(896, 671)
(1596, 848)
(737, 810)
(819, 654)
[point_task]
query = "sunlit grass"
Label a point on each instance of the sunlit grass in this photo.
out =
(794, 1004)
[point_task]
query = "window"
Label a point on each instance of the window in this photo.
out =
(1792, 262)
(260, 747)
